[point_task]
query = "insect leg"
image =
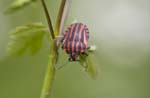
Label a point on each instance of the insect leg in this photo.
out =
(88, 47)
(92, 48)
(84, 53)
(59, 67)
(70, 58)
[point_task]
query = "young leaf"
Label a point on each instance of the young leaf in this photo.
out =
(18, 4)
(83, 60)
(88, 63)
(26, 37)
(91, 68)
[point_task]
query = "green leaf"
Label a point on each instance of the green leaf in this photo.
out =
(26, 37)
(83, 60)
(91, 67)
(87, 62)
(18, 4)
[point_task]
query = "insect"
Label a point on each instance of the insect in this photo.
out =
(75, 40)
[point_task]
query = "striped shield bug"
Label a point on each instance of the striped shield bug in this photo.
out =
(75, 41)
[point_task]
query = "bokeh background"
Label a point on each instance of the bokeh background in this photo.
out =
(119, 29)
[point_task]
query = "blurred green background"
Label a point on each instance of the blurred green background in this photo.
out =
(119, 29)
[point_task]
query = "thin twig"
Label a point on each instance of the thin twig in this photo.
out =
(63, 20)
(59, 17)
(64, 16)
(48, 19)
(59, 20)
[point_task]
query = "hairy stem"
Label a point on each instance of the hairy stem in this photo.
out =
(48, 19)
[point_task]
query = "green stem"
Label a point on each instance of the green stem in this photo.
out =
(48, 80)
(63, 20)
(59, 17)
(48, 19)
(50, 73)
(64, 16)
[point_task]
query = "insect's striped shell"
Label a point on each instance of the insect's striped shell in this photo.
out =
(76, 39)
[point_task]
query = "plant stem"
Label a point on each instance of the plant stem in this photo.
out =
(48, 19)
(59, 17)
(64, 16)
(50, 73)
(49, 77)
(63, 20)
